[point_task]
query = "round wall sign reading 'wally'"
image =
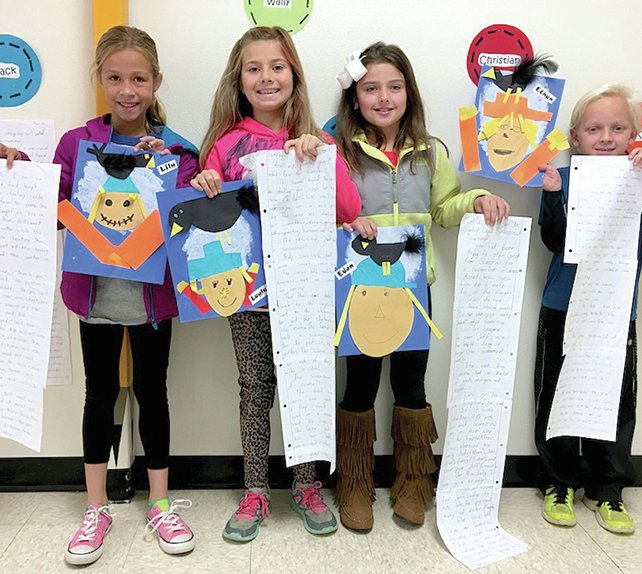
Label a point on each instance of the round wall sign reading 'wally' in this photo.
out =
(20, 71)
(291, 15)
(498, 46)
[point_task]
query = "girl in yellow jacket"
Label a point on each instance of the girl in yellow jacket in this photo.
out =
(404, 177)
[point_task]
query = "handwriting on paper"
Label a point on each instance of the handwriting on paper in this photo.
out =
(587, 397)
(34, 137)
(599, 310)
(297, 219)
(603, 213)
(59, 370)
(489, 286)
(605, 200)
(28, 198)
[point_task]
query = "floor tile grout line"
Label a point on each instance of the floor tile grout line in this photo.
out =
(597, 544)
(131, 544)
(13, 538)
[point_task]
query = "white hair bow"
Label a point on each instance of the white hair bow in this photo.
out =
(353, 71)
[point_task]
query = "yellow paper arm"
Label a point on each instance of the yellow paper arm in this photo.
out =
(419, 306)
(344, 316)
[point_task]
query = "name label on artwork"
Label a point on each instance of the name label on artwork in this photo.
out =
(11, 71)
(259, 294)
(347, 269)
(499, 60)
(167, 167)
(543, 93)
(277, 3)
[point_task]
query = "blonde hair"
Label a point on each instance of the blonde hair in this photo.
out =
(230, 104)
(412, 127)
(120, 38)
(607, 91)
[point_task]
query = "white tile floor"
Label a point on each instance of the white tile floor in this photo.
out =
(35, 527)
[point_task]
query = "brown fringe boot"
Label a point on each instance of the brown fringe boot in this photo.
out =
(413, 430)
(355, 491)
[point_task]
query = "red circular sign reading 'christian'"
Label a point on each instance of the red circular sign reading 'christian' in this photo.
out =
(500, 46)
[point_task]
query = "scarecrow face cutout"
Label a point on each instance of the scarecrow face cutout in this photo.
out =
(508, 145)
(380, 319)
(381, 313)
(225, 291)
(120, 211)
(118, 204)
(220, 277)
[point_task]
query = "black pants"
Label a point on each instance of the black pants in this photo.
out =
(407, 373)
(101, 346)
(603, 468)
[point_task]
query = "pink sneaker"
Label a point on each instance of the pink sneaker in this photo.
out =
(174, 536)
(86, 545)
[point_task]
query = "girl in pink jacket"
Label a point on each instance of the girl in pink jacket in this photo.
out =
(262, 104)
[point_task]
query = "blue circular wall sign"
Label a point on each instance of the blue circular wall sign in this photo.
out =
(20, 71)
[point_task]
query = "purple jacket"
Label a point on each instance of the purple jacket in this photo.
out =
(78, 291)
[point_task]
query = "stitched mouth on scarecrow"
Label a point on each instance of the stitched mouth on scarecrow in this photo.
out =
(119, 212)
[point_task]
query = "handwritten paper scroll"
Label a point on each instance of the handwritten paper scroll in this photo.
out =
(604, 205)
(28, 198)
(489, 287)
(37, 139)
(34, 137)
(299, 251)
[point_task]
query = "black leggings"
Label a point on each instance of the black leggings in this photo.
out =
(407, 373)
(101, 346)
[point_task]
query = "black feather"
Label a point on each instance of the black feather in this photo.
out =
(414, 243)
(525, 73)
(248, 199)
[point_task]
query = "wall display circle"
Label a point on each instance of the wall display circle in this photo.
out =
(330, 127)
(289, 14)
(20, 71)
(499, 46)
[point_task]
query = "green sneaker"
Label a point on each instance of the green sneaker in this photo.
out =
(611, 515)
(558, 506)
(244, 524)
(308, 503)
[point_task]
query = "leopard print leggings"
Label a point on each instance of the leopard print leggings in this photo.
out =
(253, 349)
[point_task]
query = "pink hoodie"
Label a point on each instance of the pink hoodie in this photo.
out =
(248, 136)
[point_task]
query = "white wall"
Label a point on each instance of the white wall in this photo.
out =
(593, 43)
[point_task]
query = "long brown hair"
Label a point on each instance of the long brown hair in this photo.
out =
(120, 38)
(230, 104)
(412, 127)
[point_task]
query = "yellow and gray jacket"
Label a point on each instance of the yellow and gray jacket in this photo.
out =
(394, 196)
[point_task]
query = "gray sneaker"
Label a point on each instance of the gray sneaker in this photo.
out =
(308, 503)
(244, 524)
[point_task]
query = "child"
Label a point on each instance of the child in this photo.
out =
(262, 103)
(404, 178)
(126, 66)
(603, 122)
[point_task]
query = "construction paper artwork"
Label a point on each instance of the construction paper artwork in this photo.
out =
(214, 249)
(112, 220)
(381, 292)
(509, 132)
